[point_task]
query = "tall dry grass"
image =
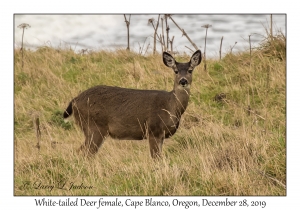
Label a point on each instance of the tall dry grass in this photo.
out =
(231, 140)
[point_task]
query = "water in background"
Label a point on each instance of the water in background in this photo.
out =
(97, 32)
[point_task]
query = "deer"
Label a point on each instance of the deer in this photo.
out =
(134, 114)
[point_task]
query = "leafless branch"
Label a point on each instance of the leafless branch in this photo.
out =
(184, 33)
(189, 48)
(167, 30)
(155, 33)
(171, 43)
(162, 36)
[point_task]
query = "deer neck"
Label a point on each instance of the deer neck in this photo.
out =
(180, 99)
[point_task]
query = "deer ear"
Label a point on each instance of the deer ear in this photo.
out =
(196, 58)
(168, 59)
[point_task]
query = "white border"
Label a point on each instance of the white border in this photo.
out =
(8, 201)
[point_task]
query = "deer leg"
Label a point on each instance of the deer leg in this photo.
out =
(156, 145)
(93, 141)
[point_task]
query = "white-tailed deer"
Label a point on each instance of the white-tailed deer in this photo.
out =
(134, 114)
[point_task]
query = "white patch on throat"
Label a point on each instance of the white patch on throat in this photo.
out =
(186, 87)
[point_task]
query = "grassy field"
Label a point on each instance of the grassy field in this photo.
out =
(231, 140)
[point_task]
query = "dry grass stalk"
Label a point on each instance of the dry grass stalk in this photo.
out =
(38, 131)
(171, 44)
(205, 26)
(231, 48)
(161, 43)
(151, 21)
(250, 66)
(271, 26)
(23, 26)
(234, 104)
(273, 179)
(220, 51)
(127, 25)
(141, 49)
(250, 48)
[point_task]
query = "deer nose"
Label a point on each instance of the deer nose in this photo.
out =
(183, 82)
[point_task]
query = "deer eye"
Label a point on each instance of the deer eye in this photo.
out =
(190, 71)
(176, 72)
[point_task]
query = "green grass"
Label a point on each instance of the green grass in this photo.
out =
(220, 148)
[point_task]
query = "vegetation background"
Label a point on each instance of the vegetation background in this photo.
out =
(231, 140)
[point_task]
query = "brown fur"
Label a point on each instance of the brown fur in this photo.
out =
(134, 114)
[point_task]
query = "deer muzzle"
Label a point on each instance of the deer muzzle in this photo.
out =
(183, 82)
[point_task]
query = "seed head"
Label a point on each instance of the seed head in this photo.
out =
(24, 25)
(206, 26)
